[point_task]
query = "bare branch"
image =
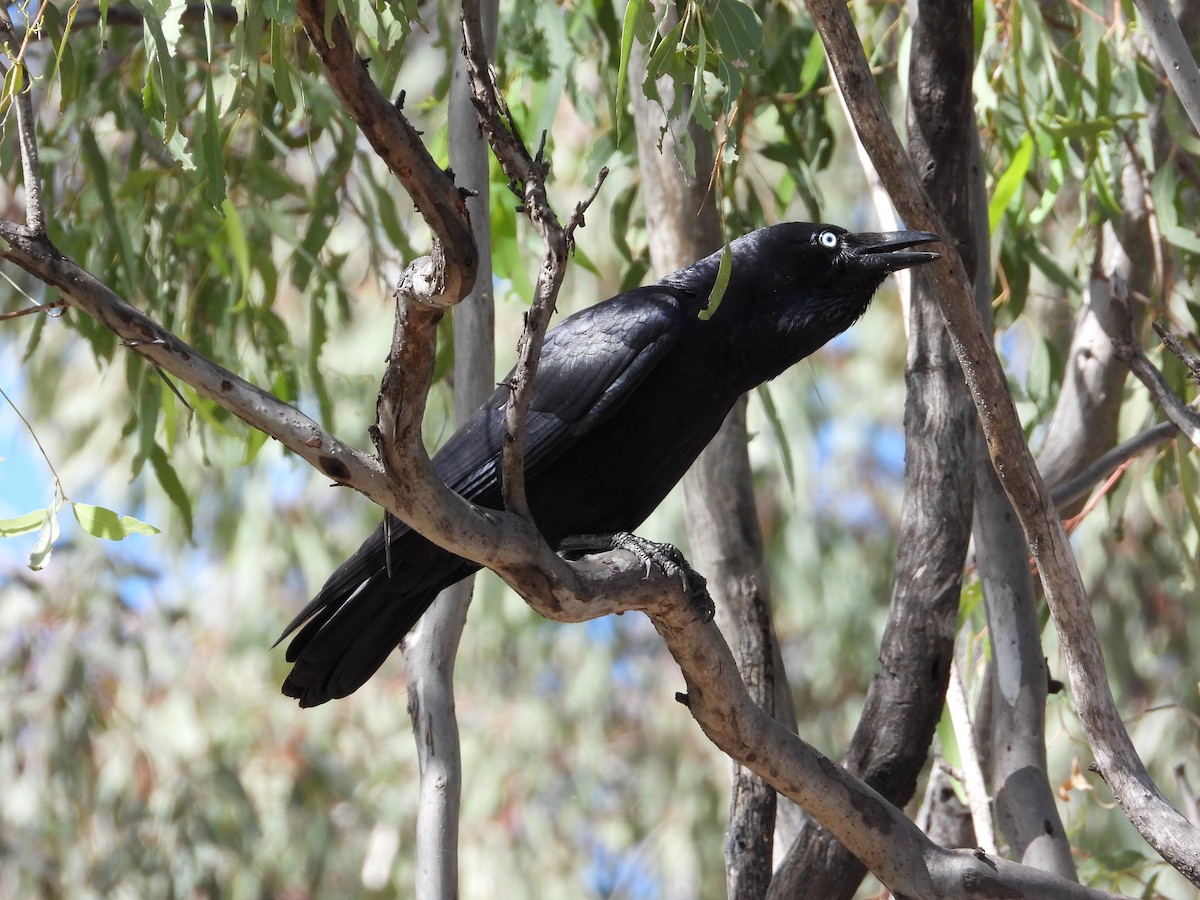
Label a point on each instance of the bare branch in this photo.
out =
(1186, 419)
(445, 278)
(35, 211)
(528, 174)
(431, 648)
(889, 750)
(1150, 812)
(887, 842)
(338, 461)
(1175, 345)
(28, 311)
(978, 799)
(1070, 491)
(1174, 54)
(752, 802)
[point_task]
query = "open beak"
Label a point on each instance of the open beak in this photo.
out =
(886, 251)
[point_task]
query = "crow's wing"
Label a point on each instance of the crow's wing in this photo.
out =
(589, 366)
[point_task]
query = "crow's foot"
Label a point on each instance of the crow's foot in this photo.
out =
(666, 556)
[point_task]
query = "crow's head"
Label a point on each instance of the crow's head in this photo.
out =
(795, 286)
(805, 260)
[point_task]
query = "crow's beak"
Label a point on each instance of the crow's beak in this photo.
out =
(885, 251)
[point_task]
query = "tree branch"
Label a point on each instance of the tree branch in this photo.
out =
(1161, 825)
(31, 168)
(978, 799)
(1183, 417)
(445, 277)
(431, 648)
(724, 538)
(1174, 54)
(752, 804)
(528, 176)
(889, 750)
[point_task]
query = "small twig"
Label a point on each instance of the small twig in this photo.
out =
(28, 311)
(530, 174)
(33, 28)
(1190, 806)
(1070, 491)
(1129, 352)
(1109, 483)
(577, 217)
(1173, 344)
(978, 800)
(33, 434)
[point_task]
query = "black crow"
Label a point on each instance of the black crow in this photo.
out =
(627, 394)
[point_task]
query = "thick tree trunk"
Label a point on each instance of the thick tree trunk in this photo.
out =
(891, 743)
(723, 532)
(431, 649)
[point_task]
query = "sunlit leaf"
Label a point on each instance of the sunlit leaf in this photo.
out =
(22, 524)
(39, 556)
(104, 523)
(1010, 181)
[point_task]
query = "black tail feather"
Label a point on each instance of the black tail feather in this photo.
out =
(362, 613)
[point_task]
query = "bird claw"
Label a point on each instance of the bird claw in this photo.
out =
(666, 557)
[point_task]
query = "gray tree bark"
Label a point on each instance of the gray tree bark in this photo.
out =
(1083, 427)
(723, 533)
(891, 743)
(431, 648)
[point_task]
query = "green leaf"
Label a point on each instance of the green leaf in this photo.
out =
(211, 160)
(780, 433)
(635, 13)
(1103, 77)
(1049, 267)
(104, 523)
(738, 33)
(235, 236)
(281, 69)
(169, 479)
(22, 524)
(724, 270)
(1183, 238)
(97, 166)
(814, 65)
(1008, 183)
(39, 557)
(161, 49)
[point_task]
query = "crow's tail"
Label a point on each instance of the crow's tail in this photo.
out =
(363, 612)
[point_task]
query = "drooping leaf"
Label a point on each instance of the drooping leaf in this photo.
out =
(1010, 181)
(104, 523)
(39, 557)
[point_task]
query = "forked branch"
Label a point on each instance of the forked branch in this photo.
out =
(1116, 758)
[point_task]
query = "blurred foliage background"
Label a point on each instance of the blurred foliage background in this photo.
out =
(204, 171)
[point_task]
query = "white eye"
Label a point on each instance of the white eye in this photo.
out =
(828, 240)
